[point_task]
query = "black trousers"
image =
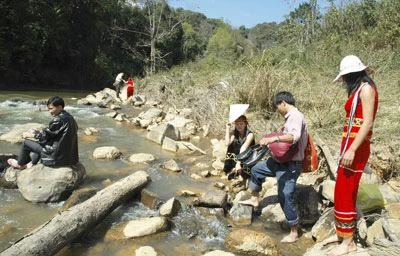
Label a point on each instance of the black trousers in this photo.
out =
(30, 151)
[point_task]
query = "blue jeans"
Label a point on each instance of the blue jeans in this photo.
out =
(287, 175)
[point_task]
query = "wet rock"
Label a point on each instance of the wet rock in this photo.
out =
(241, 214)
(204, 174)
(145, 226)
(9, 178)
(48, 184)
(195, 176)
(146, 251)
(219, 185)
(170, 208)
(150, 199)
(79, 196)
(143, 158)
(112, 114)
(187, 227)
(214, 199)
(115, 107)
(171, 165)
(247, 242)
(187, 193)
(109, 152)
(218, 253)
(121, 118)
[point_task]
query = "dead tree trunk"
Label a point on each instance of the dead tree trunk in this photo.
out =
(68, 225)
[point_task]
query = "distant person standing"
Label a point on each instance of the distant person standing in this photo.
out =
(131, 87)
(118, 83)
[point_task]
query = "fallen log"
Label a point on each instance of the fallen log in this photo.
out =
(68, 225)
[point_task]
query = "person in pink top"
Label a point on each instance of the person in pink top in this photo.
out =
(287, 173)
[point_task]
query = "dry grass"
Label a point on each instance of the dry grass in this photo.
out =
(209, 94)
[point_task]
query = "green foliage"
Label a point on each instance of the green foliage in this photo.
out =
(191, 43)
(264, 35)
(221, 48)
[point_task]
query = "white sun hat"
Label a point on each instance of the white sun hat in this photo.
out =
(350, 64)
(236, 110)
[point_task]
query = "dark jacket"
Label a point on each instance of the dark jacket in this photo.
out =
(59, 141)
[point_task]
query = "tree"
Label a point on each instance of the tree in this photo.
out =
(191, 42)
(221, 47)
(300, 26)
(158, 33)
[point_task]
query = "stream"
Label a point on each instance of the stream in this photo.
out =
(18, 216)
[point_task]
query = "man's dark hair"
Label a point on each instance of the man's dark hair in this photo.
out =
(56, 101)
(283, 96)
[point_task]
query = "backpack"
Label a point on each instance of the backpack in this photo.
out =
(310, 161)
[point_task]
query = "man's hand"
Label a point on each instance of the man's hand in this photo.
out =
(27, 135)
(266, 141)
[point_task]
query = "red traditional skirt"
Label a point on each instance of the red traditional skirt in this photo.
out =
(347, 182)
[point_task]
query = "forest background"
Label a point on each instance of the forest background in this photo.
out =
(189, 60)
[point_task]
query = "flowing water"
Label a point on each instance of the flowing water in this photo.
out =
(18, 216)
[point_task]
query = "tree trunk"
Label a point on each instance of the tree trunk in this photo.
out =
(68, 225)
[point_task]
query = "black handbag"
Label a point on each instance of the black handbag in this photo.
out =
(245, 154)
(252, 155)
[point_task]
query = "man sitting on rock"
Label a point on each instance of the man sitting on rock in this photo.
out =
(55, 145)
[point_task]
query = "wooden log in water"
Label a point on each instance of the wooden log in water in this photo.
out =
(68, 225)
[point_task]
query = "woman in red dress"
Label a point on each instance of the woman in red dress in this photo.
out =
(355, 149)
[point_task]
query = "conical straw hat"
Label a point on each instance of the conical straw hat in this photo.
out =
(237, 110)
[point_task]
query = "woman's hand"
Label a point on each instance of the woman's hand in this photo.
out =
(348, 158)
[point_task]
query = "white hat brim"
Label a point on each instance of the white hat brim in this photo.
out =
(352, 70)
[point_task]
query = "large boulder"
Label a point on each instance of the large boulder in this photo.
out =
(43, 184)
